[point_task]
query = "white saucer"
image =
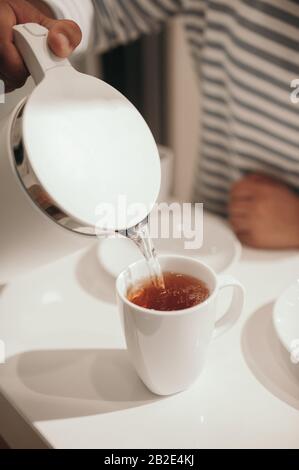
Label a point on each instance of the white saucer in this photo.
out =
(220, 249)
(286, 319)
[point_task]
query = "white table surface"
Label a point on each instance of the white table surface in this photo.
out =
(67, 375)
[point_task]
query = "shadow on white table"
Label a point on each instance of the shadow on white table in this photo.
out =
(267, 359)
(73, 383)
(94, 279)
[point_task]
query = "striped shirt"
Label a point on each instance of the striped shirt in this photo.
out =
(246, 54)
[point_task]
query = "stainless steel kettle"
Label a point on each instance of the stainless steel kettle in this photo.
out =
(76, 159)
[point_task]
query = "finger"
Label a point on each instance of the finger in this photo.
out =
(244, 194)
(245, 237)
(243, 188)
(240, 208)
(7, 21)
(239, 223)
(8, 86)
(12, 66)
(253, 176)
(64, 36)
(262, 178)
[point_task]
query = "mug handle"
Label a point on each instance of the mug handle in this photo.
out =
(234, 310)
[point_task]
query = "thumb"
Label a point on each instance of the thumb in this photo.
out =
(64, 36)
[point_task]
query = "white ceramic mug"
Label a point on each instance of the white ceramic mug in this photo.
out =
(168, 349)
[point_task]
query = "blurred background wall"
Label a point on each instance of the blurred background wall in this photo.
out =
(182, 110)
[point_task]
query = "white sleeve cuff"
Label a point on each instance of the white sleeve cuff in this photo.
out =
(80, 11)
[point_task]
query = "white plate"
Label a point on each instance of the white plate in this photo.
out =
(286, 319)
(220, 248)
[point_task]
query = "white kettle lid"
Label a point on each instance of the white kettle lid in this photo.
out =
(91, 150)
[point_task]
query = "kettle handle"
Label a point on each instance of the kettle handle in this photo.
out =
(31, 41)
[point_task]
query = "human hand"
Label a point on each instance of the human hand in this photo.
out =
(264, 213)
(64, 36)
